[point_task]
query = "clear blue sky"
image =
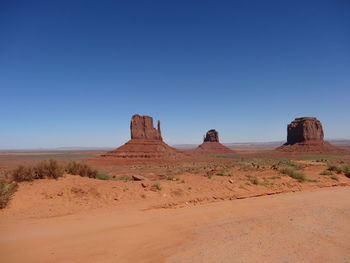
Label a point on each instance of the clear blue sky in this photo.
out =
(73, 72)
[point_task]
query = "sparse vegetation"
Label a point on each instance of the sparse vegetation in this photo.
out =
(326, 172)
(253, 179)
(7, 189)
(294, 174)
(223, 173)
(123, 178)
(157, 186)
(340, 169)
(334, 177)
(102, 176)
(50, 169)
(81, 169)
(41, 170)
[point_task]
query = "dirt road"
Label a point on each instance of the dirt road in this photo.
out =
(311, 226)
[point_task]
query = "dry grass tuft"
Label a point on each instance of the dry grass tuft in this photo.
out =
(7, 189)
(81, 169)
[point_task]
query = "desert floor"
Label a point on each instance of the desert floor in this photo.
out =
(309, 226)
(234, 208)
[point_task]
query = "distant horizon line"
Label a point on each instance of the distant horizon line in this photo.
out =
(67, 148)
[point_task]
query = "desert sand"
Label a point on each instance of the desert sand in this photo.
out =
(310, 226)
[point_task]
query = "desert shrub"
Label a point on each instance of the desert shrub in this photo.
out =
(340, 169)
(48, 169)
(43, 169)
(23, 173)
(7, 189)
(157, 186)
(81, 169)
(326, 172)
(334, 167)
(223, 173)
(253, 179)
(334, 177)
(346, 170)
(123, 178)
(102, 176)
(293, 173)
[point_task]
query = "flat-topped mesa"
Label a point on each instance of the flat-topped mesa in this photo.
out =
(304, 129)
(141, 127)
(305, 135)
(211, 136)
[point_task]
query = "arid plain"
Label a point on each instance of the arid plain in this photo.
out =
(205, 209)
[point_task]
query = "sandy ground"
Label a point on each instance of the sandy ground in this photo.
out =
(310, 226)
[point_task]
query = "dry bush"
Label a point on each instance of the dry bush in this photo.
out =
(43, 169)
(49, 169)
(23, 173)
(81, 169)
(7, 189)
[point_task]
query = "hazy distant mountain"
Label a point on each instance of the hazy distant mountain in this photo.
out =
(78, 148)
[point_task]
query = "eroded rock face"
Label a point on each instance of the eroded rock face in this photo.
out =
(303, 130)
(146, 143)
(211, 145)
(141, 127)
(305, 135)
(211, 136)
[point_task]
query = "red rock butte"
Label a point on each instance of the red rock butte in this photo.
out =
(306, 135)
(211, 144)
(146, 142)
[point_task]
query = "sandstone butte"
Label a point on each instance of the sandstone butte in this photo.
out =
(146, 142)
(211, 144)
(306, 135)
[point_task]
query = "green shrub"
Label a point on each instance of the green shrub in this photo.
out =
(253, 179)
(7, 189)
(123, 178)
(334, 167)
(102, 177)
(294, 174)
(157, 186)
(81, 169)
(346, 170)
(334, 177)
(340, 169)
(326, 172)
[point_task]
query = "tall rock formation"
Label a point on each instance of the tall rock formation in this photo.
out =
(211, 144)
(304, 129)
(141, 127)
(146, 143)
(211, 136)
(306, 135)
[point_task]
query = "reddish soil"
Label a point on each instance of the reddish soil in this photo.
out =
(311, 147)
(183, 211)
(213, 148)
(309, 226)
(145, 149)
